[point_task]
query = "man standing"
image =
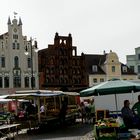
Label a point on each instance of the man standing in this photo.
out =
(127, 115)
(92, 111)
(136, 107)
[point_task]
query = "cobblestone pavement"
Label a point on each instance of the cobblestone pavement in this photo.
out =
(74, 132)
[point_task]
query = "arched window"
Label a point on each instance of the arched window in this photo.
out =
(3, 62)
(16, 61)
(47, 80)
(17, 81)
(6, 82)
(1, 82)
(29, 62)
(26, 82)
(113, 68)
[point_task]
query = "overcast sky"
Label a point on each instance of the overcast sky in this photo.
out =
(95, 25)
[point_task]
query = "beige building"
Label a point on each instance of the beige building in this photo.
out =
(105, 67)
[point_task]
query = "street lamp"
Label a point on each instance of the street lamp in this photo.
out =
(32, 48)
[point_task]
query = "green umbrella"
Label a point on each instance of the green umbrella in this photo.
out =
(115, 86)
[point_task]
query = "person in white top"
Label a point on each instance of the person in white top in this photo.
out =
(42, 109)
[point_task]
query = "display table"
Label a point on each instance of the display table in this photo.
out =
(107, 129)
(8, 130)
(105, 133)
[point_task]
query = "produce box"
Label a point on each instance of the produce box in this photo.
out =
(124, 135)
(107, 138)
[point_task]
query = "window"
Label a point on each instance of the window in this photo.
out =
(26, 82)
(0, 82)
(29, 62)
(2, 61)
(18, 46)
(16, 61)
(94, 68)
(47, 70)
(47, 80)
(52, 70)
(138, 68)
(14, 46)
(17, 81)
(138, 56)
(101, 79)
(132, 68)
(113, 68)
(15, 36)
(6, 82)
(94, 80)
(124, 69)
(73, 71)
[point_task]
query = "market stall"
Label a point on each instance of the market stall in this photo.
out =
(52, 102)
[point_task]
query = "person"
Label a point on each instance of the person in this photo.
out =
(63, 111)
(136, 107)
(92, 111)
(30, 110)
(42, 110)
(127, 115)
(87, 109)
(82, 112)
(31, 114)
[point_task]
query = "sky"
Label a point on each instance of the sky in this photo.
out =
(95, 25)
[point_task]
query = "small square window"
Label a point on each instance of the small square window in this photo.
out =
(94, 80)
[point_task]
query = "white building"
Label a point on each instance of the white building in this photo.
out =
(16, 68)
(133, 61)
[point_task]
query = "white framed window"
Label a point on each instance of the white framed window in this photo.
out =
(94, 80)
(94, 68)
(101, 79)
(124, 69)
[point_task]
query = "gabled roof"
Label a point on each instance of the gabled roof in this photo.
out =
(99, 60)
(129, 71)
(94, 59)
(1, 36)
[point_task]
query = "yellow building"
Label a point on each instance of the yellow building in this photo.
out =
(105, 67)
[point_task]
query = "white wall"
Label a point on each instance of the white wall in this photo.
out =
(108, 101)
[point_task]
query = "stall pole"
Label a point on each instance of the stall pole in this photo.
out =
(38, 104)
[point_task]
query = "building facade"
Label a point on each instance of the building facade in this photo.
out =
(17, 70)
(133, 61)
(105, 67)
(60, 67)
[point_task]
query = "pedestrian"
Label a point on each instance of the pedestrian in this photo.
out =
(92, 111)
(127, 115)
(83, 112)
(136, 107)
(63, 111)
(136, 111)
(87, 109)
(42, 110)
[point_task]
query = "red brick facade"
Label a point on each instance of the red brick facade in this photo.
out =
(59, 66)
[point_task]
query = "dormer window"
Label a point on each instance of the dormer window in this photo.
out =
(94, 68)
(124, 69)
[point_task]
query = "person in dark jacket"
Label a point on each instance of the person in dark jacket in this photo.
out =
(63, 111)
(127, 114)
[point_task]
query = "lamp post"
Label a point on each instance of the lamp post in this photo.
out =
(32, 47)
